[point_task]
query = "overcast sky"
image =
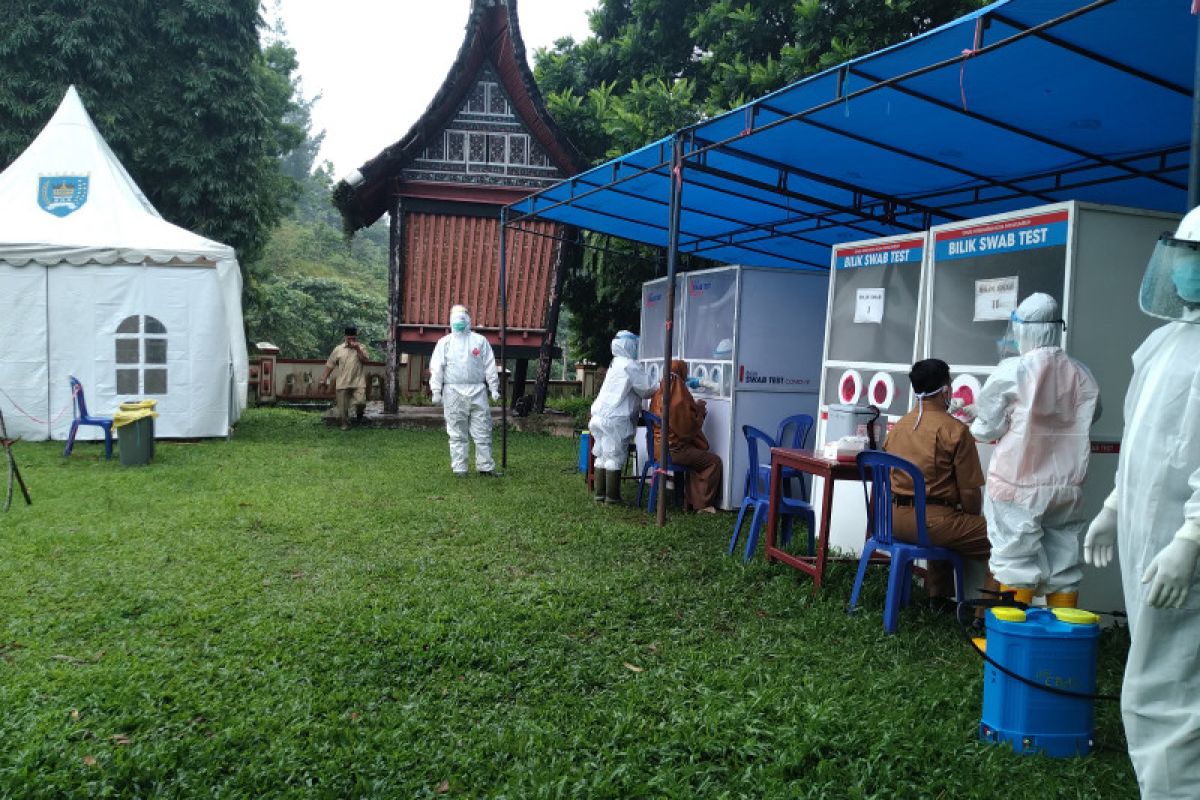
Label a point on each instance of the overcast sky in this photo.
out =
(378, 63)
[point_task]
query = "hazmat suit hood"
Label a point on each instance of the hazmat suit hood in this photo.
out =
(625, 345)
(460, 320)
(1036, 323)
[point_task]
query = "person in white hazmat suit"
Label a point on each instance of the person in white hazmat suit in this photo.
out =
(1039, 405)
(614, 415)
(1153, 518)
(462, 373)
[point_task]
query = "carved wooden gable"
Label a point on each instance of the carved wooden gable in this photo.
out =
(485, 143)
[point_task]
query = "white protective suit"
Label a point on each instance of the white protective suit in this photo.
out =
(462, 373)
(1040, 406)
(614, 411)
(1153, 515)
(1157, 493)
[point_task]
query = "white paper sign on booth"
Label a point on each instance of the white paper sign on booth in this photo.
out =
(995, 298)
(868, 306)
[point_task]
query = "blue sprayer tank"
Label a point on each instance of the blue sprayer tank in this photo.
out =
(1051, 647)
(584, 450)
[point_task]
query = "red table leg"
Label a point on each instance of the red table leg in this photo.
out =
(823, 532)
(773, 508)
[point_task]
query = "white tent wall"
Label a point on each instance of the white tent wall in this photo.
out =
(107, 257)
(23, 351)
(229, 278)
(86, 311)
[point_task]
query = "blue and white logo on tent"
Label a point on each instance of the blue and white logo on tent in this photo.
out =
(62, 194)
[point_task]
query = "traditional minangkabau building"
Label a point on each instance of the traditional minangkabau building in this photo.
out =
(485, 141)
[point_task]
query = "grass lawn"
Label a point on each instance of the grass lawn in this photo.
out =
(304, 612)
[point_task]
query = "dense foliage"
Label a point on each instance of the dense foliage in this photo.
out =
(653, 66)
(183, 91)
(311, 282)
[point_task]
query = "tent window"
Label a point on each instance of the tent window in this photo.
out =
(156, 351)
(155, 381)
(127, 351)
(127, 381)
(141, 340)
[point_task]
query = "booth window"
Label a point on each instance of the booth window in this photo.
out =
(141, 356)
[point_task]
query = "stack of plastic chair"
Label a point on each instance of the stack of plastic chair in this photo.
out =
(758, 497)
(793, 434)
(650, 468)
(83, 418)
(879, 523)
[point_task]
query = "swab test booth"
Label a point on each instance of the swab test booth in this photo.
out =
(1088, 257)
(876, 294)
(753, 337)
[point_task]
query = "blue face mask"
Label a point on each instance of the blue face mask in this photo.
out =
(458, 326)
(1187, 280)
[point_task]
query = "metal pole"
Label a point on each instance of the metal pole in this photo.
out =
(503, 339)
(1194, 158)
(672, 261)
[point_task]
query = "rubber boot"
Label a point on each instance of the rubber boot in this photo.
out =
(1020, 595)
(598, 481)
(1062, 600)
(613, 482)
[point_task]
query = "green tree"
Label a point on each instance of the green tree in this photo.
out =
(310, 281)
(192, 104)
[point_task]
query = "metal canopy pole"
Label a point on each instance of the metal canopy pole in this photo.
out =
(672, 261)
(503, 338)
(1194, 159)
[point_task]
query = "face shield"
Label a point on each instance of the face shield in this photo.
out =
(625, 345)
(1171, 285)
(1023, 335)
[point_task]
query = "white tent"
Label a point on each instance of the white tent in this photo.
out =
(95, 284)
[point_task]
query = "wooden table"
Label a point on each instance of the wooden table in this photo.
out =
(810, 463)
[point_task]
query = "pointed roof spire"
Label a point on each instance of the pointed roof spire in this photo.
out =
(492, 39)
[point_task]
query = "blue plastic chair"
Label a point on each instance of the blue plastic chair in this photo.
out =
(793, 433)
(879, 522)
(758, 497)
(79, 405)
(678, 472)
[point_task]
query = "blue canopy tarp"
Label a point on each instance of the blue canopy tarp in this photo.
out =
(1021, 103)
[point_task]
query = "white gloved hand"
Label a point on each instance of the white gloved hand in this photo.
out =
(962, 410)
(1101, 540)
(1170, 573)
(437, 398)
(495, 397)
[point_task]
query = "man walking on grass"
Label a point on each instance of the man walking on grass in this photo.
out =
(346, 364)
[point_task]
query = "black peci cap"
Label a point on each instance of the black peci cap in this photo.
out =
(929, 375)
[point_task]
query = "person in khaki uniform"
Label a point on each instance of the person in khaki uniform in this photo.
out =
(346, 364)
(944, 450)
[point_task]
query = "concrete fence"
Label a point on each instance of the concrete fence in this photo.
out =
(274, 379)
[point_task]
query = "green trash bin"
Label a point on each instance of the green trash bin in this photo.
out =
(135, 432)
